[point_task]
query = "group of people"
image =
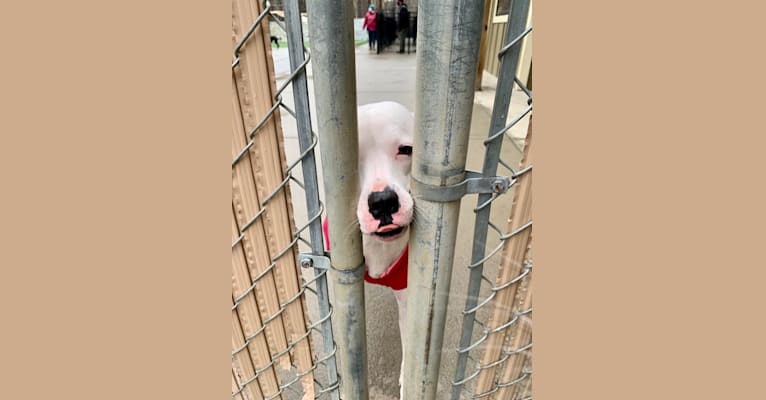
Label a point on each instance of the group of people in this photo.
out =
(370, 24)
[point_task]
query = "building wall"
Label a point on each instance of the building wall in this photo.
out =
(496, 31)
(495, 36)
(279, 5)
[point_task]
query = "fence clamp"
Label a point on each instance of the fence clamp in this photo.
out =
(474, 183)
(314, 261)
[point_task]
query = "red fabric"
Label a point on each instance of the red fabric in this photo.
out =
(395, 276)
(370, 21)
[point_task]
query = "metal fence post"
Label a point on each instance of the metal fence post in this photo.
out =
(306, 139)
(331, 32)
(449, 35)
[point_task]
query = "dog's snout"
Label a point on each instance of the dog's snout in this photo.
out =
(383, 205)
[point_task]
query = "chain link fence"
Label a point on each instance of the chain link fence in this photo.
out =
(494, 353)
(278, 352)
(282, 343)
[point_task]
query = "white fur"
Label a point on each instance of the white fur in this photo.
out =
(383, 127)
(380, 255)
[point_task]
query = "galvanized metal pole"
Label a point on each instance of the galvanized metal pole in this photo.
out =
(294, 32)
(449, 34)
(331, 31)
(509, 61)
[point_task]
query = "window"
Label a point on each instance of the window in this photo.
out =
(500, 10)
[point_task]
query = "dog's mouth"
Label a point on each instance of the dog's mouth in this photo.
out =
(389, 232)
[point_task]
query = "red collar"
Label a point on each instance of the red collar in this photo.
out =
(395, 275)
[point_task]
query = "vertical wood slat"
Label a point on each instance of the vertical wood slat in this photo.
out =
(514, 251)
(250, 319)
(245, 203)
(234, 386)
(526, 389)
(521, 335)
(256, 89)
(243, 364)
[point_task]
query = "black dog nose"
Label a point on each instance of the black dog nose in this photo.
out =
(383, 204)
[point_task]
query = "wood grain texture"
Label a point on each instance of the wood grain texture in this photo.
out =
(256, 89)
(511, 265)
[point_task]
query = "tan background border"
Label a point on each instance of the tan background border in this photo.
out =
(116, 200)
(648, 203)
(649, 216)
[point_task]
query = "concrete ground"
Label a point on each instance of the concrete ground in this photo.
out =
(391, 76)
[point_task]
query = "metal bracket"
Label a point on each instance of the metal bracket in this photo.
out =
(314, 261)
(474, 183)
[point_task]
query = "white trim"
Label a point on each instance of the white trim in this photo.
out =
(525, 56)
(498, 19)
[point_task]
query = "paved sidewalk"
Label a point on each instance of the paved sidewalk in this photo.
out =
(391, 76)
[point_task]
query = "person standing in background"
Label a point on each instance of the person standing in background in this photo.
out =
(404, 24)
(370, 23)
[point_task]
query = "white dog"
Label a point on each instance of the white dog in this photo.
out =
(385, 206)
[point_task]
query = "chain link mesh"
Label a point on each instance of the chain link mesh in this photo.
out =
(326, 382)
(516, 332)
(509, 375)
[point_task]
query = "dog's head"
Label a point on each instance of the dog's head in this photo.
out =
(385, 206)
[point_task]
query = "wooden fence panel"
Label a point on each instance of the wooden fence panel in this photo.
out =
(248, 317)
(263, 212)
(513, 380)
(514, 254)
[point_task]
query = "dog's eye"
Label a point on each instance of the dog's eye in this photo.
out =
(406, 150)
